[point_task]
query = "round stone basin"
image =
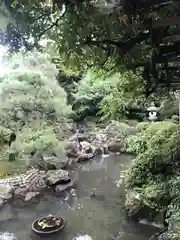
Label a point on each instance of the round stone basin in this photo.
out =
(49, 229)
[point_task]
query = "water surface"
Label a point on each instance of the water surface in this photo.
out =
(102, 217)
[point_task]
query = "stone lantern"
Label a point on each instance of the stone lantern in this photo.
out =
(152, 112)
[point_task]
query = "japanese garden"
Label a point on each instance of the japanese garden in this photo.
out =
(90, 117)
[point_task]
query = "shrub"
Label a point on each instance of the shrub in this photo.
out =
(135, 145)
(91, 90)
(32, 104)
(142, 126)
(155, 172)
(42, 140)
(110, 94)
(127, 93)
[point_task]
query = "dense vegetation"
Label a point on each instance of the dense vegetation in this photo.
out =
(110, 57)
(33, 106)
(153, 180)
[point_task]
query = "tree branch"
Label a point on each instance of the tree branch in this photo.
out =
(124, 46)
(63, 11)
(49, 28)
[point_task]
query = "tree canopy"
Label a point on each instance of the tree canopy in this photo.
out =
(108, 33)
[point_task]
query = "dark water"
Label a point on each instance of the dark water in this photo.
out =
(103, 217)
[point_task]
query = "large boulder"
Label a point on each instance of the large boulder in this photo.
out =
(57, 177)
(67, 185)
(133, 203)
(116, 133)
(46, 162)
(116, 128)
(55, 162)
(84, 156)
(71, 149)
(85, 147)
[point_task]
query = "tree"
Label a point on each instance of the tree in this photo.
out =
(33, 105)
(135, 33)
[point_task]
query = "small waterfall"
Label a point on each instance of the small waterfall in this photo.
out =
(104, 150)
(7, 236)
(83, 237)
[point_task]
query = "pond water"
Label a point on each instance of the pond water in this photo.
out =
(102, 217)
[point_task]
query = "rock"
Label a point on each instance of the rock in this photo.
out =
(20, 191)
(45, 162)
(63, 187)
(133, 203)
(55, 162)
(57, 177)
(99, 139)
(66, 186)
(84, 156)
(85, 147)
(114, 147)
(80, 137)
(116, 133)
(30, 195)
(98, 151)
(175, 119)
(6, 191)
(71, 149)
(115, 128)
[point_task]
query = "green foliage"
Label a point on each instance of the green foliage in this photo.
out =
(169, 107)
(127, 93)
(32, 104)
(154, 145)
(29, 90)
(91, 90)
(142, 126)
(135, 145)
(41, 139)
(112, 94)
(155, 171)
(86, 32)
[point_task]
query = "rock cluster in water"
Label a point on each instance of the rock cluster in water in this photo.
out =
(48, 172)
(83, 146)
(33, 182)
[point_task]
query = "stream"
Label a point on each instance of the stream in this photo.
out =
(101, 217)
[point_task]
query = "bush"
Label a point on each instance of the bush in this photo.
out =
(90, 91)
(142, 126)
(32, 104)
(127, 93)
(42, 140)
(135, 145)
(155, 172)
(110, 94)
